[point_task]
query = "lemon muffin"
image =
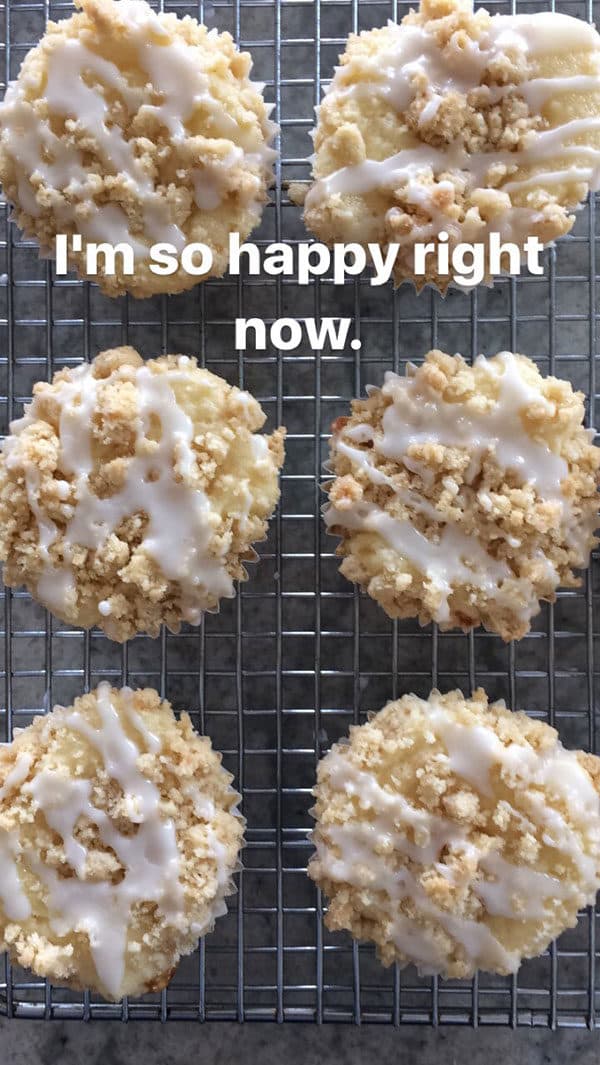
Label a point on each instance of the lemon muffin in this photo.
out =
(131, 492)
(455, 834)
(465, 494)
(119, 835)
(457, 123)
(130, 126)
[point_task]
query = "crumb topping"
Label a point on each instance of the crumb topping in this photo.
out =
(464, 495)
(456, 835)
(119, 835)
(129, 126)
(459, 122)
(131, 492)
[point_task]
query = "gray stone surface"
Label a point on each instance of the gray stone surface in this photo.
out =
(32, 1043)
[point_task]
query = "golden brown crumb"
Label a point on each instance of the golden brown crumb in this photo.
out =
(131, 493)
(186, 162)
(435, 521)
(103, 914)
(455, 834)
(448, 103)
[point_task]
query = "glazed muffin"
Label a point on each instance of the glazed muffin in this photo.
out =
(133, 127)
(455, 834)
(465, 494)
(131, 492)
(119, 836)
(459, 124)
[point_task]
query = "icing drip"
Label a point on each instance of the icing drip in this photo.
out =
(78, 84)
(411, 163)
(419, 415)
(179, 528)
(150, 857)
(460, 68)
(380, 848)
(17, 775)
(455, 556)
(414, 418)
(14, 899)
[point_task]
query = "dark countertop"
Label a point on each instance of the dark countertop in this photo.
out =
(107, 1043)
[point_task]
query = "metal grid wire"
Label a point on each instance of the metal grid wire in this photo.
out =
(299, 655)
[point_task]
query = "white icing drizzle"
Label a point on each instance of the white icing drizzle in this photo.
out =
(412, 163)
(203, 805)
(453, 557)
(173, 70)
(420, 415)
(381, 849)
(151, 740)
(461, 69)
(17, 775)
(180, 519)
(150, 857)
(417, 415)
(543, 33)
(12, 895)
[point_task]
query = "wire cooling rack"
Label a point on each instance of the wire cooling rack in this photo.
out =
(299, 655)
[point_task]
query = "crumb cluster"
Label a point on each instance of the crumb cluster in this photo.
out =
(131, 493)
(411, 141)
(448, 834)
(181, 152)
(54, 758)
(435, 520)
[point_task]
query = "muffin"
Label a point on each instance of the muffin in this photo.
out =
(119, 836)
(130, 126)
(131, 492)
(454, 125)
(465, 494)
(456, 835)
